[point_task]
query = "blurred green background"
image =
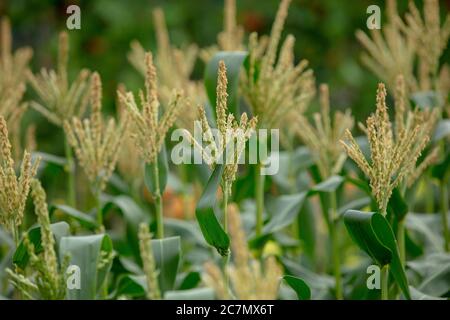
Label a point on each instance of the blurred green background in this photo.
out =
(324, 30)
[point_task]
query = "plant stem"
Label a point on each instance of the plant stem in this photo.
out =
(226, 258)
(158, 202)
(385, 282)
(259, 195)
(70, 168)
(444, 212)
(185, 181)
(335, 246)
(98, 203)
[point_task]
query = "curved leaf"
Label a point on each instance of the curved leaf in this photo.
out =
(85, 252)
(167, 257)
(133, 216)
(329, 185)
(211, 229)
(284, 210)
(300, 287)
(373, 234)
(59, 230)
(190, 281)
(187, 230)
(233, 61)
(84, 219)
(132, 285)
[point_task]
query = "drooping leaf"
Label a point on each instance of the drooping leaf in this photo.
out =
(354, 205)
(84, 219)
(133, 215)
(163, 172)
(211, 229)
(187, 230)
(167, 257)
(131, 211)
(21, 256)
(300, 287)
(432, 274)
(284, 210)
(329, 185)
(233, 62)
(426, 230)
(373, 234)
(190, 281)
(132, 285)
(85, 253)
(321, 285)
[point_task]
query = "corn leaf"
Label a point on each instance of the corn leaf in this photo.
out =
(167, 257)
(134, 286)
(300, 287)
(21, 256)
(85, 252)
(84, 219)
(211, 229)
(397, 205)
(373, 234)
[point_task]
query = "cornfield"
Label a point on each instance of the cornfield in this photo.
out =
(244, 181)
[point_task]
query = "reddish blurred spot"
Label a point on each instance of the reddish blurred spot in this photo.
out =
(253, 21)
(96, 46)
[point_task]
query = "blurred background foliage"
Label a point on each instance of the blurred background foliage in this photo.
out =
(324, 32)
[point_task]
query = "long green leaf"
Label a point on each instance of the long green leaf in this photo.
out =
(84, 219)
(373, 234)
(329, 185)
(211, 229)
(132, 285)
(284, 210)
(21, 256)
(85, 253)
(167, 258)
(300, 287)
